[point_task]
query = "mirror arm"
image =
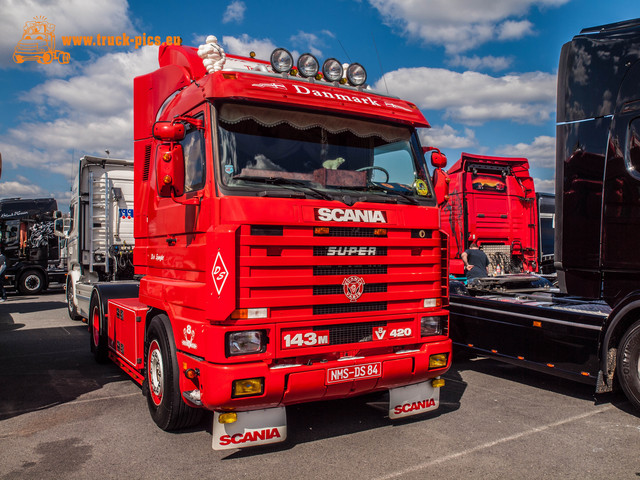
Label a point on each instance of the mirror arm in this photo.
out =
(191, 201)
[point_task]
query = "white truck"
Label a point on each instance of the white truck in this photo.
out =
(100, 237)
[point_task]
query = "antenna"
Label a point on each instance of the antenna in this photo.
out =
(380, 63)
(345, 51)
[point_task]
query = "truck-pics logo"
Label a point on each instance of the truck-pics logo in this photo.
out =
(353, 287)
(38, 43)
(349, 215)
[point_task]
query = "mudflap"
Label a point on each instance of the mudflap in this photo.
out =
(256, 427)
(413, 400)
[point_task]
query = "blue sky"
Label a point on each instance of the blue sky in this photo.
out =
(482, 71)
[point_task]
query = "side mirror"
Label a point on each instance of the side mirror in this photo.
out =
(438, 160)
(168, 131)
(170, 170)
(440, 178)
(58, 228)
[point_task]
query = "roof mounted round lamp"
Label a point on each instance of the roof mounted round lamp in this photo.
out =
(332, 70)
(356, 74)
(308, 65)
(281, 60)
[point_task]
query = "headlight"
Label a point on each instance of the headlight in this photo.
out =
(308, 65)
(430, 326)
(281, 60)
(332, 70)
(246, 342)
(356, 74)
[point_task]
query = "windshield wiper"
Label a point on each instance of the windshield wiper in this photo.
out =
(284, 182)
(377, 188)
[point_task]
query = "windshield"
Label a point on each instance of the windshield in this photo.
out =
(274, 152)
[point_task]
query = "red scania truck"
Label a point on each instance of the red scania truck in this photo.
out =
(492, 202)
(287, 247)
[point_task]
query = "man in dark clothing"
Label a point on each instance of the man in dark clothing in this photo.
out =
(3, 267)
(475, 262)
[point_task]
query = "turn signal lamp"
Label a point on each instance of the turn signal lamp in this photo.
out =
(281, 60)
(244, 313)
(438, 360)
(308, 65)
(332, 70)
(190, 373)
(432, 302)
(437, 382)
(356, 74)
(247, 387)
(228, 417)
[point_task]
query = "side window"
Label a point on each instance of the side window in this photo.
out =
(193, 146)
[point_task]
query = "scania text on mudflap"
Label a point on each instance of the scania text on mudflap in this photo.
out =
(287, 246)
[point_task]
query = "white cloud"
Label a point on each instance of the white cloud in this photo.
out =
(90, 112)
(512, 30)
(244, 44)
(234, 12)
(20, 189)
(71, 17)
(308, 42)
(475, 62)
(541, 153)
(460, 25)
(447, 137)
(474, 98)
(545, 186)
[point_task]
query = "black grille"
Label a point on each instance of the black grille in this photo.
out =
(349, 251)
(337, 289)
(350, 232)
(147, 163)
(349, 308)
(351, 333)
(320, 270)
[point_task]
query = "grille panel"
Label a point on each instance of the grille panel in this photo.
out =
(350, 232)
(338, 289)
(320, 270)
(349, 308)
(351, 333)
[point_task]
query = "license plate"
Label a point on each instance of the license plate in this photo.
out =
(354, 372)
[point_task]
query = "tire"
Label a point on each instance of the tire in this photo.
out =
(31, 282)
(71, 308)
(97, 330)
(628, 364)
(162, 383)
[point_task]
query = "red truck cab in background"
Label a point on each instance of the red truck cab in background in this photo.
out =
(287, 248)
(492, 202)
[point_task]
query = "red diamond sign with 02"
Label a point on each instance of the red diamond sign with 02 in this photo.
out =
(219, 273)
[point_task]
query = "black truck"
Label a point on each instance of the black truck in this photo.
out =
(589, 330)
(35, 256)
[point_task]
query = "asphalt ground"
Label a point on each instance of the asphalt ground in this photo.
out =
(64, 416)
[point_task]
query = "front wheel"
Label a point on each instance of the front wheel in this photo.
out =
(31, 282)
(162, 384)
(628, 368)
(71, 307)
